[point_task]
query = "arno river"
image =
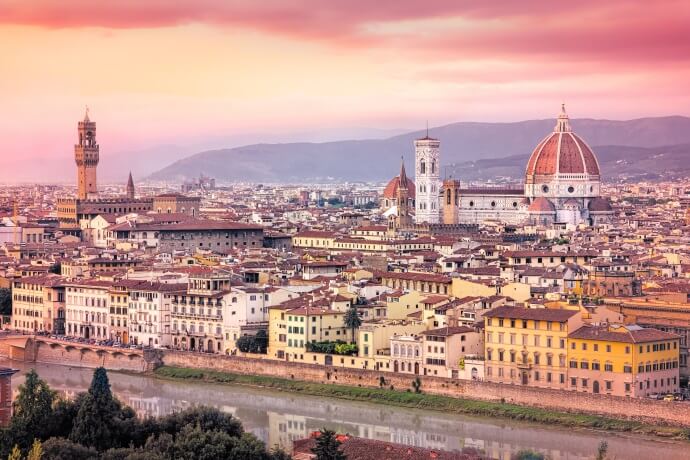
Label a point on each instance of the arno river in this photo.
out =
(278, 417)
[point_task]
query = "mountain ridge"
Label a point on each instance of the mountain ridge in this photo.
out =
(461, 142)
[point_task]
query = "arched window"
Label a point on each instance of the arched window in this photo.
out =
(422, 167)
(433, 167)
(448, 196)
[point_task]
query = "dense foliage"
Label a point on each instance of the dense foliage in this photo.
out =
(352, 320)
(327, 446)
(5, 301)
(95, 425)
(332, 348)
(253, 343)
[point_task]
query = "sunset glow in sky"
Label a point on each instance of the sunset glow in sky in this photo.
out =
(157, 71)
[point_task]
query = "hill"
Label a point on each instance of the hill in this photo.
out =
(470, 147)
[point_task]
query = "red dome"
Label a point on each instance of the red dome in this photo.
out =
(562, 152)
(600, 205)
(391, 189)
(541, 204)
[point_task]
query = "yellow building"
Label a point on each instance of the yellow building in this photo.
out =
(465, 288)
(400, 305)
(313, 324)
(38, 304)
(528, 346)
(623, 361)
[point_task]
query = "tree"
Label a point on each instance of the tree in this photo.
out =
(33, 411)
(56, 268)
(5, 301)
(36, 451)
(64, 449)
(96, 422)
(352, 320)
(327, 446)
(602, 450)
(253, 343)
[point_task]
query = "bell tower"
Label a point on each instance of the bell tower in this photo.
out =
(86, 155)
(427, 179)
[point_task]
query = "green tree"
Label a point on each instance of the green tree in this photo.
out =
(96, 423)
(33, 411)
(64, 449)
(528, 454)
(56, 268)
(352, 320)
(327, 446)
(5, 301)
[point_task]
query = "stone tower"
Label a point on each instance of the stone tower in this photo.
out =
(404, 219)
(451, 201)
(130, 187)
(427, 179)
(86, 154)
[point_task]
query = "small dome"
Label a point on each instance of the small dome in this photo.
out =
(600, 205)
(541, 204)
(571, 204)
(562, 152)
(391, 189)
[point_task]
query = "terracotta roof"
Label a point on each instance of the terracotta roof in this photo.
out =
(448, 331)
(562, 152)
(539, 314)
(599, 205)
(623, 334)
(372, 449)
(391, 189)
(541, 204)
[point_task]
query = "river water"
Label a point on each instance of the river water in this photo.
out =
(278, 418)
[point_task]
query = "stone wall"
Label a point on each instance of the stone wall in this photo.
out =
(86, 357)
(651, 411)
(49, 351)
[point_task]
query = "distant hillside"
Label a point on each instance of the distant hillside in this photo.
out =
(617, 163)
(469, 146)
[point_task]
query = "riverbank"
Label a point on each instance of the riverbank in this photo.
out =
(410, 399)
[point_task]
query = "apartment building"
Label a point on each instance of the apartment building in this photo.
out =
(529, 346)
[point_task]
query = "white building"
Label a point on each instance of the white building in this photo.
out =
(427, 180)
(86, 309)
(150, 313)
(245, 311)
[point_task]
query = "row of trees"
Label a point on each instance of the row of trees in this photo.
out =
(253, 343)
(95, 425)
(332, 348)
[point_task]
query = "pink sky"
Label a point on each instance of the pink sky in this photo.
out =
(157, 71)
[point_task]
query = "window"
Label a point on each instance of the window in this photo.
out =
(608, 348)
(608, 367)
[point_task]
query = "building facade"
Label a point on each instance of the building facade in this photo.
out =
(427, 178)
(86, 155)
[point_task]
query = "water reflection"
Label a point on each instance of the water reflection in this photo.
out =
(279, 418)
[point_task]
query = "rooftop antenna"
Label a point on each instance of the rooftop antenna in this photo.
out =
(427, 128)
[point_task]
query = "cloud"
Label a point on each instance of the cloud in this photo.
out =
(615, 30)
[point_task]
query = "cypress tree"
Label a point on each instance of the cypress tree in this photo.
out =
(95, 423)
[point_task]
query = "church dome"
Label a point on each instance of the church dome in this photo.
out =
(541, 204)
(600, 205)
(391, 189)
(562, 152)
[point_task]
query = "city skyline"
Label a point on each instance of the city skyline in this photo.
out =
(203, 75)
